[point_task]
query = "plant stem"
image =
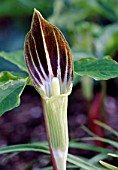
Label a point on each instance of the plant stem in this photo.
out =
(55, 114)
(48, 134)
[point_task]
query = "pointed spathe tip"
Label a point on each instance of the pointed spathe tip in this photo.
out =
(37, 12)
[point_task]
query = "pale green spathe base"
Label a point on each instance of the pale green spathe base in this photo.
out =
(56, 108)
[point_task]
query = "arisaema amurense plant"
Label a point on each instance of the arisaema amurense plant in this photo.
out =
(49, 62)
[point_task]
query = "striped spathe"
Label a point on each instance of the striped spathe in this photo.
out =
(47, 55)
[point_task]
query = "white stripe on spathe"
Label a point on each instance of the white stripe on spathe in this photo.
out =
(58, 67)
(46, 52)
(49, 83)
(44, 84)
(35, 65)
(32, 75)
(65, 76)
(38, 58)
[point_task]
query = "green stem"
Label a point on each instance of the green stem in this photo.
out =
(103, 91)
(57, 129)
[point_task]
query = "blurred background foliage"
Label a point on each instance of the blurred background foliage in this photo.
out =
(90, 27)
(23, 8)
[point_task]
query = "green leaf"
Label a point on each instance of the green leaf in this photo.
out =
(105, 140)
(103, 125)
(98, 69)
(42, 147)
(110, 167)
(16, 58)
(68, 167)
(109, 141)
(11, 88)
(81, 163)
(85, 146)
(95, 159)
(35, 147)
